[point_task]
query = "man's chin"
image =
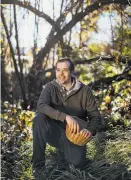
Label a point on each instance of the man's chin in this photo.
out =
(62, 81)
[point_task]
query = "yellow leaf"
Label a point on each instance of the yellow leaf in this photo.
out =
(107, 99)
(88, 2)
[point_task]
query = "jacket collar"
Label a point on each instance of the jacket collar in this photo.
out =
(76, 87)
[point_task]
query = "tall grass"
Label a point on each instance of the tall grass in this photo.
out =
(108, 158)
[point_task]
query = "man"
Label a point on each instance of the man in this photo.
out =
(59, 101)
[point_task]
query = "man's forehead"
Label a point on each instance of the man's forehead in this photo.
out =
(62, 65)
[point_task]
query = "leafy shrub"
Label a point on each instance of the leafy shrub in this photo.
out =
(114, 103)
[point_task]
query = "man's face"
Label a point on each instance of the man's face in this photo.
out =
(63, 74)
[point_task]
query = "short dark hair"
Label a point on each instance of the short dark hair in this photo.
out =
(66, 59)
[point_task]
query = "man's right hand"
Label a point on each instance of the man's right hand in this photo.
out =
(73, 125)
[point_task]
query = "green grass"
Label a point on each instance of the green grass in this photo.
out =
(108, 158)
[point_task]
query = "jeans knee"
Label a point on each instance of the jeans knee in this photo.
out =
(41, 123)
(40, 117)
(77, 163)
(76, 157)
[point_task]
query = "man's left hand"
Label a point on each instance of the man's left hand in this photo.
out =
(86, 133)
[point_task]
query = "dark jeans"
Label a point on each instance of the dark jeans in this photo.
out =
(46, 130)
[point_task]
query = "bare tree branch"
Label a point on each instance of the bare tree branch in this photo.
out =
(14, 60)
(60, 32)
(101, 58)
(61, 18)
(27, 6)
(17, 40)
(76, 18)
(105, 82)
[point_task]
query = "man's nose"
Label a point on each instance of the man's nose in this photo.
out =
(61, 72)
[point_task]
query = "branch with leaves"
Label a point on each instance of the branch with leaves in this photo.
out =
(105, 82)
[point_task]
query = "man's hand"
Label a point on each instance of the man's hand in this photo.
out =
(73, 125)
(86, 133)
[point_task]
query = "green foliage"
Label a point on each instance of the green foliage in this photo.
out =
(16, 141)
(16, 163)
(16, 122)
(118, 151)
(95, 49)
(123, 36)
(115, 103)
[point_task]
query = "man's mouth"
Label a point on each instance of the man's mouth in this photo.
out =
(61, 79)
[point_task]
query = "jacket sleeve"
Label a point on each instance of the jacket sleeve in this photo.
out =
(44, 105)
(95, 120)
